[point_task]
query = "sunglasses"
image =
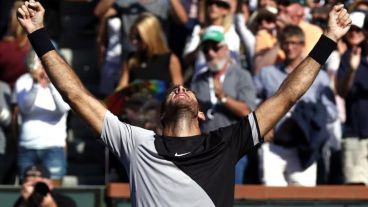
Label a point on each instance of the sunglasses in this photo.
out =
(211, 46)
(217, 3)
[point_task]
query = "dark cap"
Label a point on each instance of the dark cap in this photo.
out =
(37, 171)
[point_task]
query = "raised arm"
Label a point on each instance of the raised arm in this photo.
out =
(299, 81)
(30, 16)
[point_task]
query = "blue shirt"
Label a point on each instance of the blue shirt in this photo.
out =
(269, 79)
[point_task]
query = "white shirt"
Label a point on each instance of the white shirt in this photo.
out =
(42, 114)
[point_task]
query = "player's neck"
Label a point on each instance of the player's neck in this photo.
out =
(182, 127)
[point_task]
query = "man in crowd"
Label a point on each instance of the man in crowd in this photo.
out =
(37, 190)
(181, 165)
(225, 91)
(43, 114)
(284, 151)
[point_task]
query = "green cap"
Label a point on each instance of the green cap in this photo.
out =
(214, 33)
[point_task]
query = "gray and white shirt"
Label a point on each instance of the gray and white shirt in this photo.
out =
(184, 171)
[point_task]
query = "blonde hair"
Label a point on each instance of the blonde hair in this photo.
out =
(151, 33)
(14, 28)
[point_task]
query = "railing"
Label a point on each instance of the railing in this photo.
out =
(118, 195)
(262, 196)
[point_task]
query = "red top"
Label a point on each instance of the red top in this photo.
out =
(12, 60)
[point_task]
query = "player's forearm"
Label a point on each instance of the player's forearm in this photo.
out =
(72, 90)
(62, 76)
(298, 82)
(302, 77)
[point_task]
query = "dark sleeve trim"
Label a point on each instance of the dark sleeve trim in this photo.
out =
(256, 135)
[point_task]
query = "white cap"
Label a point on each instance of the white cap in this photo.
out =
(357, 19)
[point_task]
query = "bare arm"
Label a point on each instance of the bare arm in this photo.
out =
(72, 90)
(293, 87)
(179, 11)
(299, 81)
(124, 78)
(30, 16)
(102, 7)
(175, 70)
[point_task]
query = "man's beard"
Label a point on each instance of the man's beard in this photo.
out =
(181, 108)
(219, 65)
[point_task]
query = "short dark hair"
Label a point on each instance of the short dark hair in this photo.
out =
(291, 31)
(37, 171)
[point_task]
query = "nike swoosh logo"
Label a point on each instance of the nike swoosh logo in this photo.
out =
(179, 155)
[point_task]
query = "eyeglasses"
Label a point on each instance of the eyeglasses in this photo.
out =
(221, 4)
(211, 46)
(293, 43)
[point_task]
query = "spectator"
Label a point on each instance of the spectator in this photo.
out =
(6, 154)
(247, 38)
(38, 190)
(181, 25)
(225, 91)
(153, 59)
(130, 10)
(281, 160)
(352, 86)
(294, 14)
(288, 14)
(218, 13)
(264, 27)
(14, 47)
(42, 114)
(109, 46)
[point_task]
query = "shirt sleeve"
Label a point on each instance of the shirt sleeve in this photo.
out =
(243, 135)
(26, 98)
(121, 138)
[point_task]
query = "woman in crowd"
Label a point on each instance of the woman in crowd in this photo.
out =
(152, 59)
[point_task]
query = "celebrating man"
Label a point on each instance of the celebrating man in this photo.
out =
(181, 166)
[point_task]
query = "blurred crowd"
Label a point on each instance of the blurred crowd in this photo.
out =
(233, 54)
